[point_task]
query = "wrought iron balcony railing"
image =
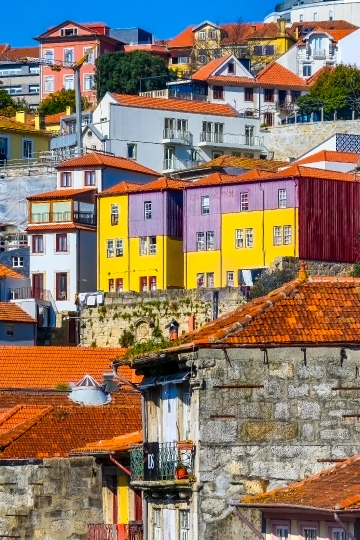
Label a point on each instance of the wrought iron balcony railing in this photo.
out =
(155, 461)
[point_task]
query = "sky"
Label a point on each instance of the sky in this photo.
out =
(163, 19)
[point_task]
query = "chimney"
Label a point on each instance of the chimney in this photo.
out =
(39, 121)
(173, 327)
(69, 110)
(21, 117)
(297, 33)
(281, 27)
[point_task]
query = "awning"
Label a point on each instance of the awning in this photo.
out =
(173, 378)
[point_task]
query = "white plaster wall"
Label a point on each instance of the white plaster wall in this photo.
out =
(50, 262)
(78, 178)
(289, 59)
(348, 49)
(331, 166)
(342, 10)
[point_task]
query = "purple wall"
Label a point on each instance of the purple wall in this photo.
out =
(166, 214)
(226, 200)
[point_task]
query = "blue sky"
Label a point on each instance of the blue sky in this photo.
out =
(164, 19)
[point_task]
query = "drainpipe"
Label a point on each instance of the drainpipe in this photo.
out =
(263, 223)
(295, 230)
(122, 467)
(343, 526)
(145, 437)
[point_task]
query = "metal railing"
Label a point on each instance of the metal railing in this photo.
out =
(231, 139)
(319, 53)
(155, 461)
(25, 293)
(134, 530)
(87, 218)
(179, 165)
(186, 95)
(179, 134)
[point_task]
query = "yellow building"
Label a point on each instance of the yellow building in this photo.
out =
(268, 43)
(19, 139)
(140, 243)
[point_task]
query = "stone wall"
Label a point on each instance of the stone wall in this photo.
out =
(146, 314)
(294, 140)
(313, 268)
(253, 439)
(53, 499)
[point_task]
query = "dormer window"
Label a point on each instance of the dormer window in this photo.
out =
(212, 34)
(231, 67)
(202, 35)
(69, 32)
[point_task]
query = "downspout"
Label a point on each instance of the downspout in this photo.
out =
(122, 467)
(250, 525)
(221, 246)
(263, 223)
(295, 229)
(165, 223)
(128, 238)
(98, 243)
(343, 526)
(145, 438)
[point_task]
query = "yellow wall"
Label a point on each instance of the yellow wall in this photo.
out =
(174, 262)
(202, 261)
(41, 142)
(123, 500)
(54, 128)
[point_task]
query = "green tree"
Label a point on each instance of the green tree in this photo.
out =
(121, 72)
(269, 281)
(58, 101)
(337, 90)
(9, 106)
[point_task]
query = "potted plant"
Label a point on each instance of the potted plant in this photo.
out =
(182, 472)
(185, 445)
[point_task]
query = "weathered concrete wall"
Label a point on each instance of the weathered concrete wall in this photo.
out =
(256, 439)
(293, 140)
(313, 268)
(53, 500)
(142, 313)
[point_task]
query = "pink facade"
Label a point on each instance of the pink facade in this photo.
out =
(68, 42)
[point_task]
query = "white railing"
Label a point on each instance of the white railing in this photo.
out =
(319, 53)
(179, 165)
(177, 134)
(155, 94)
(230, 139)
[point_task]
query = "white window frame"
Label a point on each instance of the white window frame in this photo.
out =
(200, 280)
(249, 237)
(157, 525)
(114, 209)
(337, 533)
(210, 240)
(86, 86)
(147, 210)
(25, 141)
(66, 50)
(68, 78)
(210, 280)
(50, 60)
(282, 198)
(205, 205)
(239, 238)
(143, 245)
(152, 245)
(309, 528)
(119, 247)
(17, 261)
(135, 151)
(37, 244)
(48, 84)
(91, 57)
(281, 529)
(184, 524)
(110, 251)
(230, 278)
(287, 240)
(277, 235)
(244, 201)
(202, 35)
(200, 241)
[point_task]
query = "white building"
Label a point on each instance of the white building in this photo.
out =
(298, 11)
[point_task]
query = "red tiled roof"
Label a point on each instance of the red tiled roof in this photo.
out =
(222, 179)
(51, 119)
(57, 430)
(60, 226)
(60, 194)
(19, 414)
(335, 488)
(44, 398)
(120, 189)
(46, 367)
(116, 444)
(156, 185)
(204, 73)
(182, 105)
(234, 33)
(276, 75)
(330, 155)
(245, 163)
(312, 80)
(268, 31)
(321, 310)
(312, 172)
(32, 52)
(8, 124)
(5, 271)
(152, 48)
(13, 313)
(228, 79)
(336, 34)
(3, 47)
(327, 25)
(102, 160)
(186, 38)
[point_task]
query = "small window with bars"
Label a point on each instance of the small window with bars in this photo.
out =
(282, 198)
(282, 533)
(210, 240)
(249, 238)
(244, 202)
(239, 238)
(143, 245)
(147, 210)
(200, 241)
(310, 533)
(277, 236)
(339, 534)
(110, 248)
(287, 235)
(119, 250)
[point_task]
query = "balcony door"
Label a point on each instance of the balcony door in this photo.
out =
(169, 521)
(37, 285)
(169, 413)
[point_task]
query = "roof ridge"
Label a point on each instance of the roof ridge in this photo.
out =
(10, 413)
(10, 436)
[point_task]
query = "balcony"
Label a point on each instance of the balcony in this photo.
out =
(176, 136)
(230, 140)
(157, 462)
(172, 165)
(63, 141)
(26, 293)
(100, 531)
(174, 94)
(87, 218)
(319, 54)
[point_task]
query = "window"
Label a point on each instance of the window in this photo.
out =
(175, 60)
(49, 55)
(69, 55)
(4, 148)
(182, 125)
(339, 534)
(316, 17)
(210, 240)
(147, 210)
(309, 533)
(65, 179)
(249, 94)
(301, 18)
(143, 245)
(230, 279)
(212, 34)
(294, 95)
(61, 286)
(34, 88)
(218, 132)
(217, 154)
(331, 15)
(277, 236)
(109, 248)
(287, 235)
(119, 247)
(239, 238)
(306, 70)
(68, 32)
(269, 94)
(10, 72)
(200, 241)
(269, 50)
(210, 279)
(202, 35)
(282, 198)
(282, 533)
(200, 280)
(38, 243)
(205, 205)
(152, 245)
(249, 238)
(90, 58)
(218, 92)
(184, 524)
(268, 119)
(28, 148)
(152, 283)
(69, 82)
(119, 285)
(131, 151)
(88, 81)
(13, 89)
(183, 60)
(10, 329)
(143, 286)
(244, 202)
(89, 178)
(61, 242)
(111, 285)
(49, 84)
(114, 214)
(249, 135)
(18, 262)
(231, 67)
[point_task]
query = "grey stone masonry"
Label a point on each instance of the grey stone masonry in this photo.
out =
(52, 499)
(313, 267)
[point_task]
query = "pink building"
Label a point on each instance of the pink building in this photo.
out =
(68, 42)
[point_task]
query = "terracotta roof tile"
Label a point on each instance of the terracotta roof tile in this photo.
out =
(204, 73)
(19, 414)
(312, 172)
(268, 31)
(7, 124)
(231, 79)
(51, 119)
(312, 80)
(330, 155)
(182, 105)
(335, 488)
(327, 25)
(222, 179)
(46, 367)
(116, 444)
(13, 313)
(276, 75)
(246, 163)
(44, 397)
(102, 160)
(120, 189)
(234, 33)
(156, 185)
(60, 226)
(60, 194)
(33, 52)
(186, 38)
(9, 272)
